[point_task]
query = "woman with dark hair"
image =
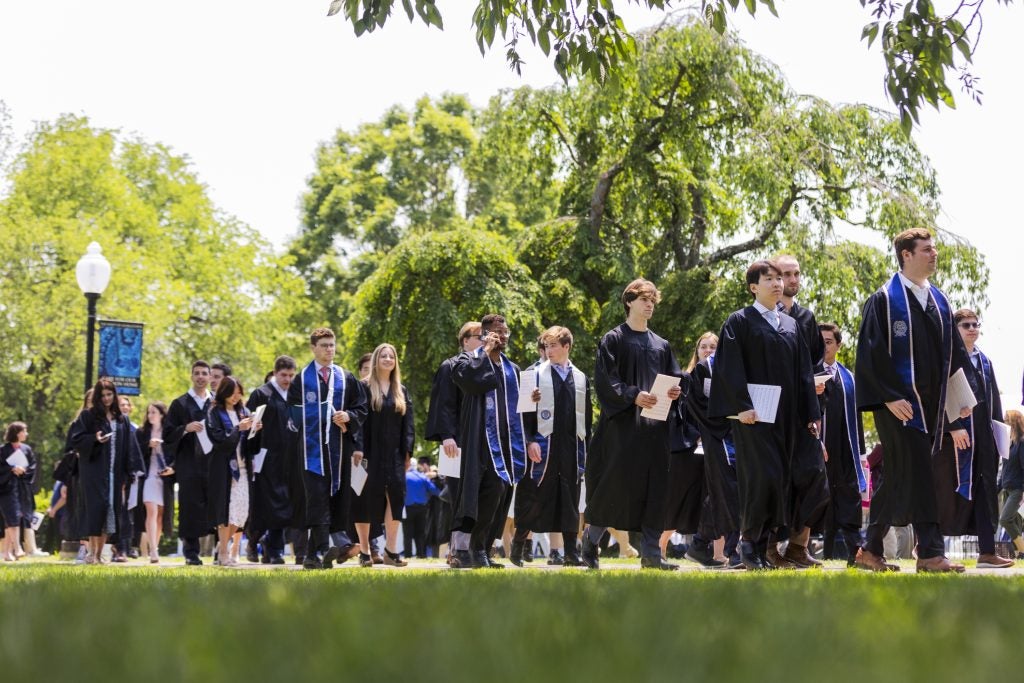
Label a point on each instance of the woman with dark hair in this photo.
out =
(108, 456)
(17, 467)
(228, 424)
(388, 438)
(158, 487)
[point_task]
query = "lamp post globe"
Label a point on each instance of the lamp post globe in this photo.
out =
(93, 275)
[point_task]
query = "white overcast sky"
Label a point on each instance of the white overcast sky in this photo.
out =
(247, 89)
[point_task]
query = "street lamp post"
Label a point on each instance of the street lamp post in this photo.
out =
(93, 275)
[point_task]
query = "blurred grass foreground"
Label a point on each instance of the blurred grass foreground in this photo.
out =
(64, 623)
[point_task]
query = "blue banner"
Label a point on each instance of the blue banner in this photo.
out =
(121, 355)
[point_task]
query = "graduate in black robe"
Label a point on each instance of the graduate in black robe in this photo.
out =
(719, 461)
(183, 451)
(809, 490)
(443, 423)
(17, 502)
(108, 457)
(493, 445)
(272, 504)
(906, 352)
(329, 406)
(627, 468)
(388, 440)
(557, 432)
(966, 486)
(842, 433)
(759, 345)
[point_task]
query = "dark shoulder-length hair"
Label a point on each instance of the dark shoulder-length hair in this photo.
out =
(97, 408)
(225, 390)
(147, 427)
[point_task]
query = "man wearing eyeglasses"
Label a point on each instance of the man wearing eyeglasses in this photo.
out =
(965, 478)
(907, 350)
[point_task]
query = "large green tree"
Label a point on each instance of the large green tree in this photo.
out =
(922, 44)
(698, 160)
(204, 285)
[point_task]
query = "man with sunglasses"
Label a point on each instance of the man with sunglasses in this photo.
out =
(965, 478)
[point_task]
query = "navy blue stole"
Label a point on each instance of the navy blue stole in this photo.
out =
(317, 426)
(901, 344)
(225, 421)
(850, 413)
(513, 439)
(965, 457)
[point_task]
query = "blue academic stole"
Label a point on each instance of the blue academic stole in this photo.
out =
(901, 343)
(850, 413)
(492, 426)
(317, 425)
(965, 457)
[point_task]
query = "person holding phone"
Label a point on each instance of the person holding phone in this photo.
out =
(108, 455)
(158, 487)
(228, 424)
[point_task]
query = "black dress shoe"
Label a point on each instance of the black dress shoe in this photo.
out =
(555, 559)
(749, 556)
(299, 559)
(312, 561)
(265, 559)
(589, 555)
(571, 560)
(331, 556)
(481, 561)
(516, 554)
(528, 551)
(252, 556)
(276, 560)
(460, 559)
(703, 556)
(193, 561)
(657, 563)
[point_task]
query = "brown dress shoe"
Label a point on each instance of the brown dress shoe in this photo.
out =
(868, 560)
(798, 555)
(775, 560)
(938, 565)
(993, 561)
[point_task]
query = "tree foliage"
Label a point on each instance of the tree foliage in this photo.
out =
(921, 45)
(204, 285)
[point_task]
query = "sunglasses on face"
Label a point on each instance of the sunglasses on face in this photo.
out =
(970, 326)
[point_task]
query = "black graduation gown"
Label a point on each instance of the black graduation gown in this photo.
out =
(475, 377)
(810, 492)
(445, 399)
(183, 452)
(627, 467)
(906, 493)
(956, 513)
(554, 503)
(751, 351)
(142, 438)
(16, 498)
(271, 505)
(719, 476)
(845, 508)
(685, 508)
(225, 448)
(96, 460)
(387, 438)
(318, 506)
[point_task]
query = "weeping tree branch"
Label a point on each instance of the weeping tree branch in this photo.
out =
(760, 238)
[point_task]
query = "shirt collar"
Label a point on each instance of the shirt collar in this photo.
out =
(762, 309)
(197, 398)
(284, 393)
(914, 287)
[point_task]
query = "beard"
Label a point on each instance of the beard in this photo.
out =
(790, 291)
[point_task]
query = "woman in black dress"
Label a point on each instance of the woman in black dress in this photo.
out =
(387, 446)
(17, 466)
(108, 456)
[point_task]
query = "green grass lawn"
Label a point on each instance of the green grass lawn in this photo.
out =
(74, 623)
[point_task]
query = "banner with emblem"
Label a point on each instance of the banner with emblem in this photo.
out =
(121, 355)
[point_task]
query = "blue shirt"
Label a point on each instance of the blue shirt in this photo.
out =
(418, 488)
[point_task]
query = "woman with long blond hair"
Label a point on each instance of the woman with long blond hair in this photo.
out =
(388, 439)
(1011, 482)
(706, 345)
